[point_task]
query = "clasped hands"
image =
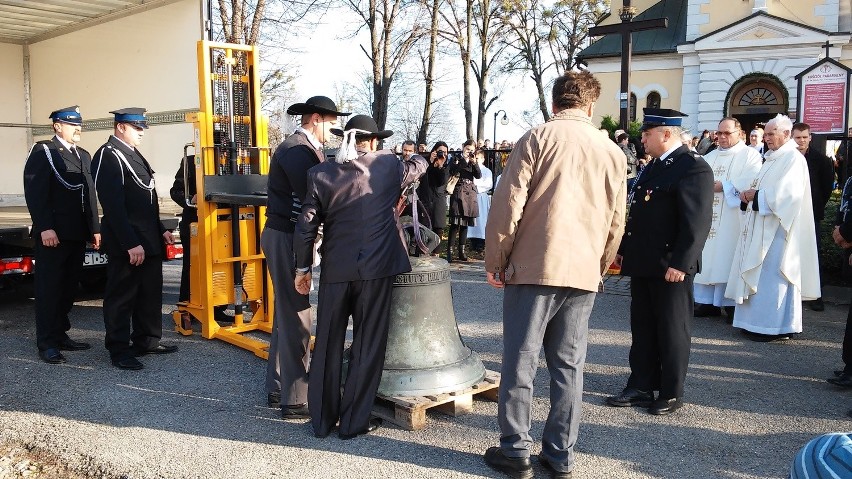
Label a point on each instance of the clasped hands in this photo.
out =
(747, 196)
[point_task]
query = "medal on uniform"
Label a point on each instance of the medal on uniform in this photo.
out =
(648, 194)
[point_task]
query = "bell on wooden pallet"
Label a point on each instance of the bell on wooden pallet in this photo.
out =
(425, 353)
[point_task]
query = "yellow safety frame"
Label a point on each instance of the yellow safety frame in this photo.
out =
(211, 264)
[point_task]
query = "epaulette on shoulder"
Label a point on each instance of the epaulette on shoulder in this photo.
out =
(44, 142)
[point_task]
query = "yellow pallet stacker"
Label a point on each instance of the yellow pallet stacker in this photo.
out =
(231, 164)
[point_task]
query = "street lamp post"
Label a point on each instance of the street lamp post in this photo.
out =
(503, 121)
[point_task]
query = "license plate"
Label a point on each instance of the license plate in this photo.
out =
(94, 258)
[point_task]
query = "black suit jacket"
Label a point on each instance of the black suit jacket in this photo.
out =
(59, 191)
(821, 172)
(131, 210)
(180, 190)
(670, 227)
(288, 181)
(355, 202)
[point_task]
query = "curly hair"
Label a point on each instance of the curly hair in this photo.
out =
(575, 89)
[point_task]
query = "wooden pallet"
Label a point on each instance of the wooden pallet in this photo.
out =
(409, 412)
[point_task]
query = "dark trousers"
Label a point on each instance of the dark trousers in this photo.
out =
(133, 304)
(847, 343)
(185, 241)
(660, 315)
(368, 302)
(57, 275)
(287, 365)
(557, 319)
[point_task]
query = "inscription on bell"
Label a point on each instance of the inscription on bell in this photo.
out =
(423, 277)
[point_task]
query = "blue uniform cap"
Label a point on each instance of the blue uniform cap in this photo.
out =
(661, 117)
(133, 116)
(70, 115)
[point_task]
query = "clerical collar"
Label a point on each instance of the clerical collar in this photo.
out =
(669, 152)
(731, 147)
(123, 142)
(311, 138)
(64, 143)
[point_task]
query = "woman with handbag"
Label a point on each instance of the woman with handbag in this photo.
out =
(464, 207)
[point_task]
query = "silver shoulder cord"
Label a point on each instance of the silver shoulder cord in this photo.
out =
(150, 186)
(61, 179)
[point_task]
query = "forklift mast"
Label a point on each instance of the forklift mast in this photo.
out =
(231, 164)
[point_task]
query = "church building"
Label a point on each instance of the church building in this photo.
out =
(722, 58)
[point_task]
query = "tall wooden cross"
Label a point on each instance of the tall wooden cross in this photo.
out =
(626, 29)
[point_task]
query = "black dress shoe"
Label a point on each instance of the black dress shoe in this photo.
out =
(844, 380)
(817, 305)
(706, 310)
(729, 313)
(160, 349)
(273, 399)
(70, 345)
(51, 356)
(374, 424)
(130, 363)
(631, 397)
(766, 338)
(554, 474)
(297, 411)
(661, 407)
(517, 467)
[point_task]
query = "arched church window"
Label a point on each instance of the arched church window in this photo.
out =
(632, 107)
(758, 96)
(653, 100)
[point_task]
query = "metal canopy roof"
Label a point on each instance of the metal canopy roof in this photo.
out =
(31, 21)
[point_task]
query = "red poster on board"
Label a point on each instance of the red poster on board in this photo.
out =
(823, 96)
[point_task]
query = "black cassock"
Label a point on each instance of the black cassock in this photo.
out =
(669, 216)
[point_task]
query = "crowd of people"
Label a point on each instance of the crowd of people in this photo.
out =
(735, 230)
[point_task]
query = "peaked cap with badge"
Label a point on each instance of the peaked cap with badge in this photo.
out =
(133, 116)
(655, 117)
(70, 115)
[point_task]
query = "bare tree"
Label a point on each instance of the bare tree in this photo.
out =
(543, 38)
(459, 21)
(527, 39)
(423, 130)
(394, 27)
(569, 33)
(489, 30)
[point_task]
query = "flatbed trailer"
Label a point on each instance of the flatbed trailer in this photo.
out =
(17, 251)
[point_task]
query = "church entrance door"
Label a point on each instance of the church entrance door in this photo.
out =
(755, 98)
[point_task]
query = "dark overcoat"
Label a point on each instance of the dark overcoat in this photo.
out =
(463, 200)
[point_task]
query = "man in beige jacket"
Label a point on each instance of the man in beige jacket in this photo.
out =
(556, 220)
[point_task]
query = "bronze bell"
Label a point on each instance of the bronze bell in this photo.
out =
(425, 353)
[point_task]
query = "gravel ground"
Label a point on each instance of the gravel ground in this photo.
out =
(201, 413)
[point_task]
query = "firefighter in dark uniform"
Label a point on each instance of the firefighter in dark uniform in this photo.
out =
(134, 238)
(668, 219)
(61, 199)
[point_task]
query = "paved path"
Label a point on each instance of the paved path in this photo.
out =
(201, 413)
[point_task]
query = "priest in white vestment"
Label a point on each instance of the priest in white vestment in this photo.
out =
(483, 185)
(775, 263)
(734, 166)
